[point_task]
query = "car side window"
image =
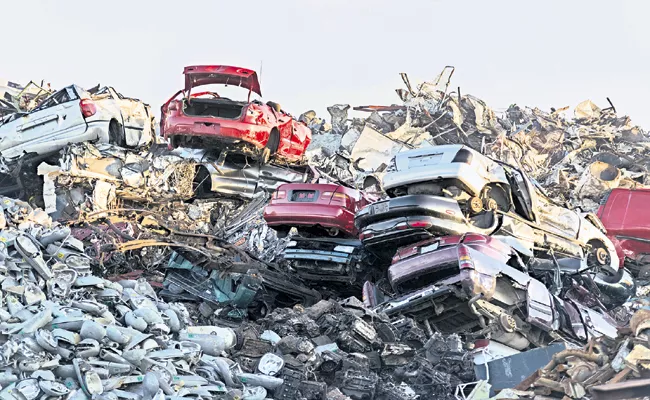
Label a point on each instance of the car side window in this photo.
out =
(62, 96)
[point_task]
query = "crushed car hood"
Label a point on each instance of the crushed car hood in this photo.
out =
(199, 75)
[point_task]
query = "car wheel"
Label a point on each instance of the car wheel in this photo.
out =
(116, 134)
(599, 257)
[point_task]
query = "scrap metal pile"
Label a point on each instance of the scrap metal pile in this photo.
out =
(353, 259)
(604, 369)
(69, 333)
(575, 159)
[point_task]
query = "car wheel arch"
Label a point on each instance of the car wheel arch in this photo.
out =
(273, 143)
(116, 134)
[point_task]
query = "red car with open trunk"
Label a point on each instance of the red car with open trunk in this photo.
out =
(205, 119)
(313, 207)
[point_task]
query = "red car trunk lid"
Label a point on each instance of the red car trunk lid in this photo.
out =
(199, 75)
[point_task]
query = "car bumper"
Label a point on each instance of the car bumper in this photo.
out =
(441, 216)
(227, 131)
(466, 174)
(309, 214)
(413, 301)
(323, 259)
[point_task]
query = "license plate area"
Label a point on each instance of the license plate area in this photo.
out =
(304, 196)
(379, 208)
(423, 161)
(429, 248)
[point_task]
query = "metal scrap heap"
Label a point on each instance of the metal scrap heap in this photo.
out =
(69, 333)
(435, 249)
(604, 369)
(575, 159)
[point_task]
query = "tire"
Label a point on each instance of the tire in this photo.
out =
(116, 134)
(599, 256)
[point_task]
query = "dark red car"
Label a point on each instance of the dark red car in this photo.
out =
(624, 213)
(206, 119)
(313, 207)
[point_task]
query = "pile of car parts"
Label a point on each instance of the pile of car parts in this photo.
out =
(69, 333)
(222, 265)
(604, 369)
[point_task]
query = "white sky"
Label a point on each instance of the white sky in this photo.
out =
(318, 53)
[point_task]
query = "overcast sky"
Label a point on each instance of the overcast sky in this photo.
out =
(317, 53)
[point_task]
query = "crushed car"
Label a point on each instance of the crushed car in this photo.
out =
(326, 249)
(236, 174)
(478, 286)
(314, 209)
(624, 214)
(71, 115)
(453, 189)
(207, 120)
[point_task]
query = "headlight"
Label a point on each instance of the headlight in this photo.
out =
(345, 249)
(292, 243)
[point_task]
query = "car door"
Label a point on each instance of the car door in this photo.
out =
(49, 127)
(136, 119)
(553, 227)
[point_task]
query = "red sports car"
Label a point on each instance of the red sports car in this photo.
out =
(313, 207)
(206, 119)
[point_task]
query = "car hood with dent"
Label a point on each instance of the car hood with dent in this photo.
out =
(200, 75)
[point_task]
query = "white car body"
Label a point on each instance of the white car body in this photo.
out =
(530, 221)
(416, 166)
(58, 121)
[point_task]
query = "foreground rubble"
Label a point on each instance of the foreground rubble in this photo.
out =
(71, 333)
(604, 369)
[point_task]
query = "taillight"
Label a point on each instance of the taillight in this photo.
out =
(481, 343)
(401, 226)
(253, 115)
(419, 224)
(366, 235)
(88, 108)
(341, 198)
(405, 253)
(326, 195)
(279, 194)
(464, 258)
(463, 156)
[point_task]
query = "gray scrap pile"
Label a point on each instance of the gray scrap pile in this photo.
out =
(94, 178)
(69, 333)
(341, 350)
(604, 369)
(574, 159)
(15, 97)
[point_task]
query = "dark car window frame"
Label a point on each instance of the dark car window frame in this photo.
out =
(60, 97)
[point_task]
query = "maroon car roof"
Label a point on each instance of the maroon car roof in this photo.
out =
(199, 75)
